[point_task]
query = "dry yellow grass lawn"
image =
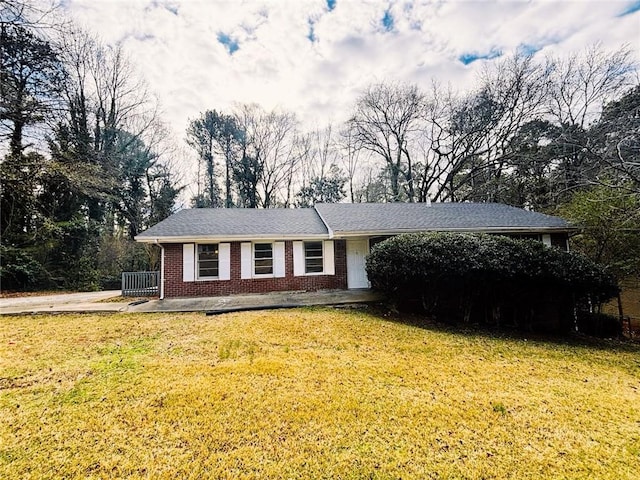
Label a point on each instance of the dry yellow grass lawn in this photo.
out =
(310, 393)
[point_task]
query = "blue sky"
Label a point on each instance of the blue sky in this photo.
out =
(313, 57)
(632, 7)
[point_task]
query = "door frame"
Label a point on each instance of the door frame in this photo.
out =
(349, 254)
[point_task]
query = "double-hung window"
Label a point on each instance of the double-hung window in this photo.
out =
(263, 259)
(208, 261)
(313, 258)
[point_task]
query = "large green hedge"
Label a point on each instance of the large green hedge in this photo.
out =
(488, 279)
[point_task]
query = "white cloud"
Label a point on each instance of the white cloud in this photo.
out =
(175, 45)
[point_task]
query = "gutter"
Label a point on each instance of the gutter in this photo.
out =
(227, 238)
(497, 230)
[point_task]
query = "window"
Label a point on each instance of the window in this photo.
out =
(263, 259)
(559, 240)
(527, 236)
(208, 263)
(313, 257)
(313, 260)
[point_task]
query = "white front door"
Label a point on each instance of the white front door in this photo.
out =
(357, 250)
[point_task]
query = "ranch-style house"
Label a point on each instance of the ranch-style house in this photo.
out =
(213, 252)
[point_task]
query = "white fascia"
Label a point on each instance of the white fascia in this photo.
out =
(237, 238)
(496, 230)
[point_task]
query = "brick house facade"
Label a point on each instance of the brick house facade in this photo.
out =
(174, 286)
(219, 252)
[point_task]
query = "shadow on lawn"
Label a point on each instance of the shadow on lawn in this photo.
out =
(576, 339)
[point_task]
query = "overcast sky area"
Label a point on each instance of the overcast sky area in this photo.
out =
(313, 57)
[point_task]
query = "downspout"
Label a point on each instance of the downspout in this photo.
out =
(161, 269)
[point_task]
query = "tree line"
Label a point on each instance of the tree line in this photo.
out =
(86, 165)
(558, 135)
(529, 134)
(254, 158)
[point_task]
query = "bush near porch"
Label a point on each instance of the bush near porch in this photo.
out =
(491, 279)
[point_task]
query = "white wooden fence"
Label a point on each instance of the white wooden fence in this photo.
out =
(140, 284)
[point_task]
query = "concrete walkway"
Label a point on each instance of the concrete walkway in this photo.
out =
(92, 302)
(213, 305)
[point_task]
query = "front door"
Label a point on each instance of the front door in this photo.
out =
(357, 250)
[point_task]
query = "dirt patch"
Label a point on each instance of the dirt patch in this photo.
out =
(122, 299)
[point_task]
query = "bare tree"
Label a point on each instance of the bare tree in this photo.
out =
(617, 137)
(511, 94)
(269, 156)
(320, 176)
(583, 82)
(106, 172)
(298, 170)
(123, 99)
(451, 147)
(40, 15)
(108, 111)
(443, 147)
(324, 153)
(319, 156)
(465, 142)
(350, 160)
(386, 120)
(202, 136)
(276, 142)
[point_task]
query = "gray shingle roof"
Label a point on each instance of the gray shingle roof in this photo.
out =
(348, 219)
(399, 217)
(238, 222)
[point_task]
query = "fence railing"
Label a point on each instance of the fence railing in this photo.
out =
(140, 284)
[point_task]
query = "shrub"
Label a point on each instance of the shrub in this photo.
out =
(19, 270)
(599, 325)
(487, 279)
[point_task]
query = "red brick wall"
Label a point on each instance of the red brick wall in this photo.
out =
(175, 287)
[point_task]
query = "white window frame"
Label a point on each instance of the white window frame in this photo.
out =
(191, 264)
(300, 259)
(304, 258)
(197, 262)
(253, 260)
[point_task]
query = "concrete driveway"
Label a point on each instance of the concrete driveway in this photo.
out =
(91, 302)
(64, 302)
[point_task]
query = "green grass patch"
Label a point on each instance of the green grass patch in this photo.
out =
(309, 393)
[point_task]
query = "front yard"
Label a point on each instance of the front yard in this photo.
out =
(308, 393)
